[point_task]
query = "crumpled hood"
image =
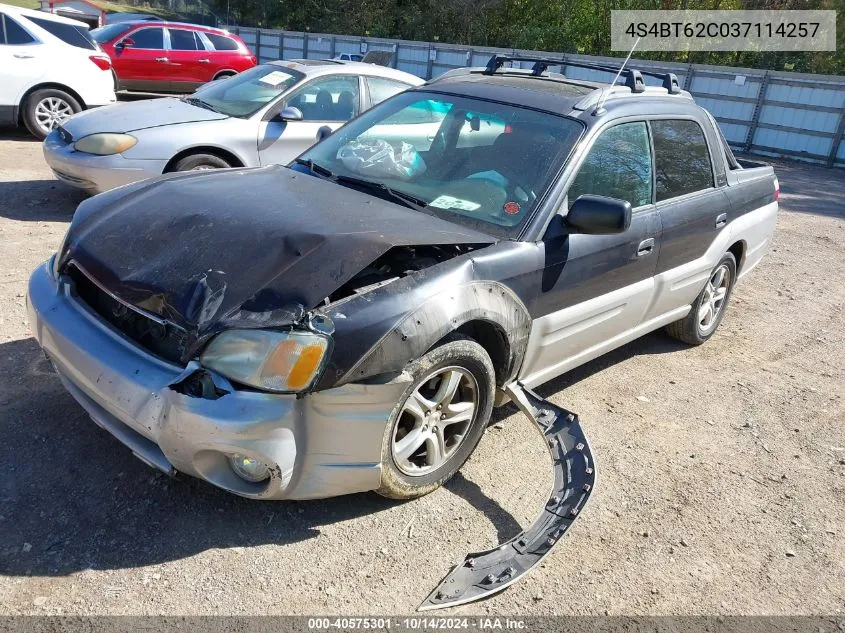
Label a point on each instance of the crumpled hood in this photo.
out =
(242, 247)
(137, 115)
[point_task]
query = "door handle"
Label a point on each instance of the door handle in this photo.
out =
(722, 220)
(23, 56)
(204, 61)
(162, 59)
(646, 247)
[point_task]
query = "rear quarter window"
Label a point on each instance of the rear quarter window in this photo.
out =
(222, 43)
(681, 158)
(77, 36)
(13, 33)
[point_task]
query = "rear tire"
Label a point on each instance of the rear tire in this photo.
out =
(199, 162)
(446, 427)
(44, 110)
(710, 306)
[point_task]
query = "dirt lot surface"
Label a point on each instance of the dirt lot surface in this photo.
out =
(721, 468)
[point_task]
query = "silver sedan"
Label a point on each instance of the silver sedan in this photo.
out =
(267, 115)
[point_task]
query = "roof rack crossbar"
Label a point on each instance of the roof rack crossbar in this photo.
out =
(633, 77)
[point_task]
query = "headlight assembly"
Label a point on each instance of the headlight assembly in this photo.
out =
(284, 362)
(105, 144)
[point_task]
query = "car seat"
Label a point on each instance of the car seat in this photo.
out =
(345, 106)
(324, 106)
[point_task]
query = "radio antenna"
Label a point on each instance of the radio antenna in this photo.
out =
(600, 106)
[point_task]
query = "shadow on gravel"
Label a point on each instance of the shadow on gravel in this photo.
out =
(39, 200)
(653, 343)
(73, 498)
(14, 133)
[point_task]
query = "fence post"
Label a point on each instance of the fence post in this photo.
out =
(837, 139)
(429, 68)
(688, 79)
(755, 118)
(305, 46)
(258, 45)
(395, 60)
(332, 49)
(281, 44)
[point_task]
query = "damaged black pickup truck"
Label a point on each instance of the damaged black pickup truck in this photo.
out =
(347, 323)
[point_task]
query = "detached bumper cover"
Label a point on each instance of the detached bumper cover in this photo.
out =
(321, 445)
(483, 574)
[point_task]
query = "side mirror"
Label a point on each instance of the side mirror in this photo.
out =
(324, 132)
(126, 42)
(290, 114)
(598, 215)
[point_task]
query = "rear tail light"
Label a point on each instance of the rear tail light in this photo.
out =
(777, 190)
(103, 63)
(254, 59)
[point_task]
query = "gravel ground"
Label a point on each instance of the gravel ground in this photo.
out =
(721, 468)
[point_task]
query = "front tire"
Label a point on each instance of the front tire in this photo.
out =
(198, 162)
(439, 420)
(709, 308)
(45, 110)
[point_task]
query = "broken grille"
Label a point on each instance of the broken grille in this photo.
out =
(161, 339)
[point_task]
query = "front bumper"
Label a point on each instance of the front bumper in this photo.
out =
(92, 173)
(321, 445)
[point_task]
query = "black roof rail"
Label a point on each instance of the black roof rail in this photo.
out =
(633, 77)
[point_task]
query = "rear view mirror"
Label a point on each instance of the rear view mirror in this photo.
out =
(324, 132)
(598, 215)
(126, 42)
(291, 114)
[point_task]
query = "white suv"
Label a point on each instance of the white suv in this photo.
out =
(50, 68)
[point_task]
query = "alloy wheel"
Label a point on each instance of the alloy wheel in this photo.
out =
(713, 302)
(434, 421)
(51, 112)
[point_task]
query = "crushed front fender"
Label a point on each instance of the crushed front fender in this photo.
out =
(483, 574)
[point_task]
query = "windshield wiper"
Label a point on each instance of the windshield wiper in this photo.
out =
(200, 104)
(410, 201)
(315, 168)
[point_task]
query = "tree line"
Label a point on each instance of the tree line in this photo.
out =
(566, 26)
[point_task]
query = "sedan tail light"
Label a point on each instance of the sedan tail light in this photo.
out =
(777, 190)
(103, 63)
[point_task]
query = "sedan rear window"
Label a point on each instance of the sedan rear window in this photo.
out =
(77, 36)
(222, 43)
(476, 163)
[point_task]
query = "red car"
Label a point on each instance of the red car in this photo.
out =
(171, 56)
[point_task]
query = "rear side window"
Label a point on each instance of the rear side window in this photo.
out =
(14, 33)
(77, 36)
(617, 166)
(381, 89)
(222, 43)
(681, 158)
(181, 40)
(150, 39)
